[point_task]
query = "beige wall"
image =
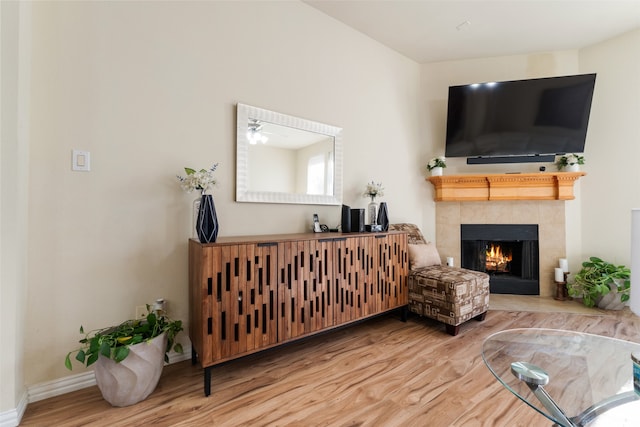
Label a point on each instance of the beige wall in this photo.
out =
(598, 220)
(14, 174)
(612, 151)
(149, 88)
(436, 79)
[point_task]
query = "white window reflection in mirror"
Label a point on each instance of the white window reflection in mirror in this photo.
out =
(287, 159)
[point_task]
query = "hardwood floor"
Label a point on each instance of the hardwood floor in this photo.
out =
(381, 372)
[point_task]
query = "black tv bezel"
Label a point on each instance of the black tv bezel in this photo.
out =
(522, 157)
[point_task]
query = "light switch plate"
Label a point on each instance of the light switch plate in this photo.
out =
(81, 161)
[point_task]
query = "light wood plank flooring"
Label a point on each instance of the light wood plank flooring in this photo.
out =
(381, 372)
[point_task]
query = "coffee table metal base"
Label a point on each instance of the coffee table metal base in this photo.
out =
(535, 378)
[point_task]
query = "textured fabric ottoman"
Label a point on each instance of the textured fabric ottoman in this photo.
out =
(448, 294)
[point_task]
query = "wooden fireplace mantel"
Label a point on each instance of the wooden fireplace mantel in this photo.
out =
(505, 186)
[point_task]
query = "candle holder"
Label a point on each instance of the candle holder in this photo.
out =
(562, 294)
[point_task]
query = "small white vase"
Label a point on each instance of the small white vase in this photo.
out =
(194, 219)
(573, 168)
(372, 212)
(437, 171)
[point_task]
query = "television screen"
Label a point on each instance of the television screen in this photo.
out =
(519, 118)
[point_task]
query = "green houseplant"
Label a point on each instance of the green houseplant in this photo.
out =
(128, 357)
(436, 165)
(569, 160)
(598, 278)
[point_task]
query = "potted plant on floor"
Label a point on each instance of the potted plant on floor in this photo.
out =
(601, 283)
(129, 357)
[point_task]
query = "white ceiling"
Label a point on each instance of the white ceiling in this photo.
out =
(436, 30)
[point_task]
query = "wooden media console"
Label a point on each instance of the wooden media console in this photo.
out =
(250, 293)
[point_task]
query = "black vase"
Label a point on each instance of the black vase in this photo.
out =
(207, 225)
(383, 216)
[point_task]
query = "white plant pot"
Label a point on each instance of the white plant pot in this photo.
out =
(611, 301)
(437, 171)
(573, 168)
(136, 377)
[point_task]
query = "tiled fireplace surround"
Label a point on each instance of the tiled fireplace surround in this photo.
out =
(548, 214)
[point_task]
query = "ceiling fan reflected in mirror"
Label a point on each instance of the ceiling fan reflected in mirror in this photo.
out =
(254, 134)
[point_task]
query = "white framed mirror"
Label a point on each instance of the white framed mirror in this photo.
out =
(286, 159)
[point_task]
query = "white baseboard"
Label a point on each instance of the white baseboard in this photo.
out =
(12, 417)
(79, 381)
(61, 386)
(179, 357)
(65, 385)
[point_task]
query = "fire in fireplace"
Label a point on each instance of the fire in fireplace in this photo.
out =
(498, 260)
(507, 252)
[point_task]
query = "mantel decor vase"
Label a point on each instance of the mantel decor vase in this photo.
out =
(437, 171)
(372, 212)
(136, 377)
(383, 216)
(207, 225)
(573, 168)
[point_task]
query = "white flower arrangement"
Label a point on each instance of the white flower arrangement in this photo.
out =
(568, 160)
(437, 162)
(201, 180)
(373, 190)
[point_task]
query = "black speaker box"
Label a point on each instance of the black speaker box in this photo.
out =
(345, 225)
(357, 220)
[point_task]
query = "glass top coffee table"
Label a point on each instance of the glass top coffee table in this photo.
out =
(572, 378)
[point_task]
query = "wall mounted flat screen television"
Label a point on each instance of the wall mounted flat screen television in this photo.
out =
(522, 118)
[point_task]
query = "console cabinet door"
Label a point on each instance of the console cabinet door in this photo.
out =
(305, 297)
(350, 279)
(390, 270)
(244, 292)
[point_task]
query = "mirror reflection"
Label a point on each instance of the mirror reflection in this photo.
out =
(285, 159)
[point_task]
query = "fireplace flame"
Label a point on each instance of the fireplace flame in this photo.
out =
(497, 259)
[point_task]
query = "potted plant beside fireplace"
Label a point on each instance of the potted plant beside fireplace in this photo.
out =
(129, 357)
(601, 283)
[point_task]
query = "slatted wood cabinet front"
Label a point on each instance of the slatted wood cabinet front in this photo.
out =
(254, 292)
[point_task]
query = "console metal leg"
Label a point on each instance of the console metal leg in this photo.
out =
(207, 381)
(194, 356)
(404, 313)
(535, 378)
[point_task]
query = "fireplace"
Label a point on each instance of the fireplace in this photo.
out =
(507, 252)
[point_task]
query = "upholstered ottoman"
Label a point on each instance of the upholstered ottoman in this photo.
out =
(448, 294)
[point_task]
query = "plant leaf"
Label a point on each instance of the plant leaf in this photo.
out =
(94, 345)
(105, 349)
(124, 340)
(92, 359)
(121, 354)
(189, 171)
(67, 362)
(151, 319)
(178, 348)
